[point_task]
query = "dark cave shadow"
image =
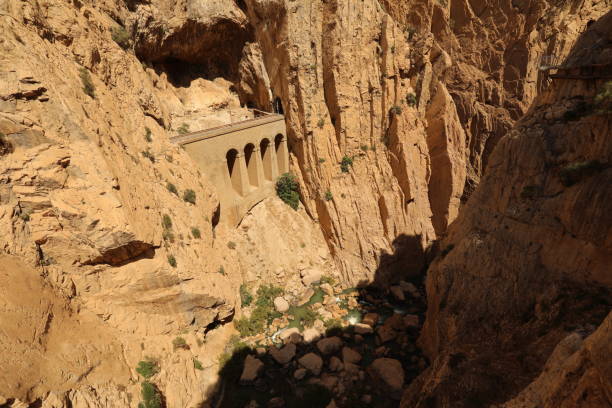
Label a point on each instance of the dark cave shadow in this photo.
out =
(406, 263)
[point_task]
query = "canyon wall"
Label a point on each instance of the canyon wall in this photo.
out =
(521, 291)
(392, 110)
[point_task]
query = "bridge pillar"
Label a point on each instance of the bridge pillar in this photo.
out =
(239, 178)
(259, 167)
(283, 161)
(274, 163)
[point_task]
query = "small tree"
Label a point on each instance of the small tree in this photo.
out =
(166, 221)
(195, 232)
(88, 86)
(172, 261)
(411, 99)
(180, 343)
(245, 296)
(121, 37)
(396, 110)
(346, 163)
(148, 133)
(147, 368)
(189, 196)
(172, 188)
(151, 397)
(184, 128)
(287, 189)
(328, 196)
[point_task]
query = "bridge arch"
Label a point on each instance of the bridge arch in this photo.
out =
(250, 157)
(280, 148)
(266, 157)
(233, 167)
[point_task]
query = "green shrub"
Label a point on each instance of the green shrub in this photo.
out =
(189, 196)
(121, 37)
(151, 397)
(328, 196)
(245, 296)
(148, 134)
(195, 232)
(180, 343)
(172, 188)
(411, 99)
(321, 123)
(231, 245)
(345, 164)
(262, 315)
(147, 368)
(287, 189)
(166, 221)
(575, 172)
(197, 364)
(183, 129)
(88, 86)
(328, 279)
(364, 148)
(396, 110)
(321, 160)
(172, 261)
(221, 270)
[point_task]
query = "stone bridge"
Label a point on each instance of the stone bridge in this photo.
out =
(242, 159)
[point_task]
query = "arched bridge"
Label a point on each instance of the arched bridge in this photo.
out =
(242, 159)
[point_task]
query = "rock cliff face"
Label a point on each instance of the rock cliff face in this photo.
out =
(392, 111)
(524, 274)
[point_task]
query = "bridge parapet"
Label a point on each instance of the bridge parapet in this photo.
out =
(242, 159)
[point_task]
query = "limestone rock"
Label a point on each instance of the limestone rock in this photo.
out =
(361, 328)
(251, 369)
(311, 334)
(300, 373)
(312, 362)
(329, 345)
(291, 335)
(328, 289)
(310, 276)
(371, 319)
(388, 373)
(284, 354)
(350, 356)
(398, 293)
(411, 321)
(335, 364)
(281, 305)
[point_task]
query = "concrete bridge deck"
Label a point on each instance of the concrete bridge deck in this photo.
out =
(242, 159)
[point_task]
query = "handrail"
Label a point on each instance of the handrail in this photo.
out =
(189, 137)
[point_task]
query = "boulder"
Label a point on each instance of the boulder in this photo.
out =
(329, 345)
(252, 367)
(398, 293)
(335, 364)
(327, 288)
(283, 355)
(300, 373)
(385, 334)
(312, 362)
(370, 319)
(350, 356)
(389, 374)
(311, 334)
(290, 335)
(361, 328)
(281, 305)
(329, 381)
(276, 402)
(305, 298)
(411, 321)
(310, 276)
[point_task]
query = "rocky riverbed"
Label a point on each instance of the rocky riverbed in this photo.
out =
(327, 346)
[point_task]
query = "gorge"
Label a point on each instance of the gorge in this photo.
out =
(448, 241)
